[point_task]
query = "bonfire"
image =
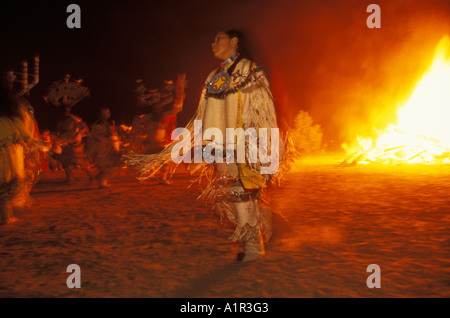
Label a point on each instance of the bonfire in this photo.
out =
(421, 131)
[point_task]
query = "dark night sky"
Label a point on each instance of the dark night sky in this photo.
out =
(320, 55)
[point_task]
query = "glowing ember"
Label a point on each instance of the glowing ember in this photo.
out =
(421, 133)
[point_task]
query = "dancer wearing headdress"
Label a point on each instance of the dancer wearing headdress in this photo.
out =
(21, 149)
(71, 130)
(19, 152)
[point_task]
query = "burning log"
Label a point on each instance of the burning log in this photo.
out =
(416, 155)
(394, 148)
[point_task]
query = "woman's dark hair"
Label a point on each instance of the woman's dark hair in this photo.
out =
(242, 43)
(9, 104)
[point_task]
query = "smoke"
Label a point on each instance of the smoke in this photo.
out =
(351, 79)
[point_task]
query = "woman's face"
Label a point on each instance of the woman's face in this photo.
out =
(223, 47)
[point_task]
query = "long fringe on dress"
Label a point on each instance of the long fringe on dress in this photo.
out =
(258, 111)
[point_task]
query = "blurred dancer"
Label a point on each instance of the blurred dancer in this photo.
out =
(33, 155)
(71, 130)
(69, 144)
(16, 144)
(101, 147)
(49, 161)
(156, 126)
(154, 130)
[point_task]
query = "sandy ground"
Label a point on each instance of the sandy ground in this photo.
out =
(153, 240)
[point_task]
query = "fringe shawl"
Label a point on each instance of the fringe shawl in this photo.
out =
(258, 111)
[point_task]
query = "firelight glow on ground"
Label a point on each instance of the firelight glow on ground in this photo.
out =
(152, 240)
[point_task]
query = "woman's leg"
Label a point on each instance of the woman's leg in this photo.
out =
(246, 212)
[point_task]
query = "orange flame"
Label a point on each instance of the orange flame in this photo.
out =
(421, 133)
